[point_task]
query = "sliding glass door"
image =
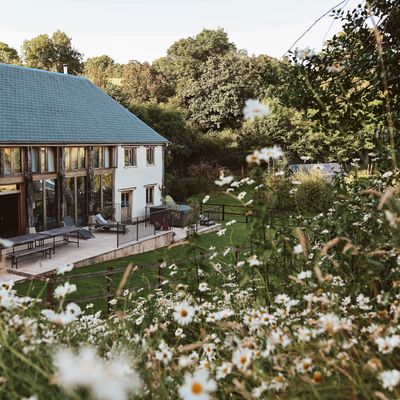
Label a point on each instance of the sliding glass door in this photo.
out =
(44, 204)
(76, 200)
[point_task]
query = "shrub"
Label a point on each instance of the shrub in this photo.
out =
(279, 193)
(313, 193)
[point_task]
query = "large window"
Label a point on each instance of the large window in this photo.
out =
(75, 158)
(130, 156)
(76, 199)
(104, 157)
(44, 204)
(149, 195)
(102, 190)
(10, 161)
(150, 158)
(43, 159)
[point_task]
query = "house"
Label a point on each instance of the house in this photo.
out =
(69, 149)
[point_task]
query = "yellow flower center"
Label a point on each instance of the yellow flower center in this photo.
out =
(184, 313)
(197, 388)
(243, 359)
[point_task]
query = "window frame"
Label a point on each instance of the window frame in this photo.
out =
(69, 151)
(132, 156)
(152, 191)
(112, 158)
(151, 155)
(12, 162)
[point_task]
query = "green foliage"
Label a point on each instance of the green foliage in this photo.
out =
(8, 55)
(313, 194)
(52, 53)
(278, 196)
(142, 83)
(216, 97)
(350, 89)
(99, 70)
(284, 127)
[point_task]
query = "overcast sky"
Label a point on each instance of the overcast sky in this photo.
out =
(144, 29)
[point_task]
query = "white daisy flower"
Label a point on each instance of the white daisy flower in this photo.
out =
(62, 290)
(64, 268)
(298, 249)
(206, 198)
(253, 109)
(390, 379)
(184, 313)
(197, 386)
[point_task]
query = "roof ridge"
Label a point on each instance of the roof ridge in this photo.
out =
(44, 71)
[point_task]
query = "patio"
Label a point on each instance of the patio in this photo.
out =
(102, 248)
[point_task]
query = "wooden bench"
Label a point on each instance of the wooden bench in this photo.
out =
(45, 249)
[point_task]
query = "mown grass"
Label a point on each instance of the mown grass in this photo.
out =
(187, 255)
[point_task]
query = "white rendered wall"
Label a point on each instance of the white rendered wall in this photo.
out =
(137, 177)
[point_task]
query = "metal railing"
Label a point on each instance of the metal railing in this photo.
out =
(136, 228)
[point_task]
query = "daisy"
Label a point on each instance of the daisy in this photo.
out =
(64, 268)
(390, 379)
(206, 198)
(62, 290)
(254, 261)
(70, 314)
(223, 180)
(254, 158)
(242, 358)
(241, 195)
(273, 153)
(184, 313)
(203, 286)
(197, 386)
(253, 109)
(298, 249)
(223, 370)
(304, 275)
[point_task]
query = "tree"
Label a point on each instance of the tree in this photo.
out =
(351, 88)
(142, 83)
(52, 53)
(216, 97)
(169, 121)
(185, 56)
(99, 70)
(8, 55)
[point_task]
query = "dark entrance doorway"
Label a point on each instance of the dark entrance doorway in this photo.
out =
(9, 215)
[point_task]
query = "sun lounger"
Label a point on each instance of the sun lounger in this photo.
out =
(103, 225)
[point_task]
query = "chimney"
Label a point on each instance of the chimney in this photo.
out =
(65, 67)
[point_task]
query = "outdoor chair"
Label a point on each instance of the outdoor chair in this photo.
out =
(103, 225)
(83, 233)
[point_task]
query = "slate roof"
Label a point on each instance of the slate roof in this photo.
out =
(38, 106)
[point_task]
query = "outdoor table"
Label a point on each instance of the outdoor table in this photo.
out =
(63, 231)
(29, 239)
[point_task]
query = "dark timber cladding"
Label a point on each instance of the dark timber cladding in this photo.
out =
(59, 136)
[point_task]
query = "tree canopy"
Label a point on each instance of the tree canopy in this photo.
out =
(8, 55)
(52, 53)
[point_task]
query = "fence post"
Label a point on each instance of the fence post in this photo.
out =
(237, 254)
(223, 212)
(50, 292)
(109, 279)
(117, 234)
(160, 265)
(137, 228)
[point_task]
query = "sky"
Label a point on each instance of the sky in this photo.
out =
(144, 29)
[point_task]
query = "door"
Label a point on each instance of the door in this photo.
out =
(9, 215)
(126, 205)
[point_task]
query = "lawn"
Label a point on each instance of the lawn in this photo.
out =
(186, 254)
